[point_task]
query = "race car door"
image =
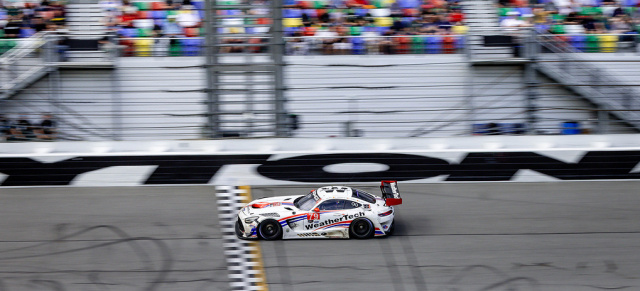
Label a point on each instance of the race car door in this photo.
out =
(330, 215)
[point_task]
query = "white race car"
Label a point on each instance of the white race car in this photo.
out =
(327, 212)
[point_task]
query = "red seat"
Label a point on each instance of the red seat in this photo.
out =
(158, 6)
(449, 45)
(129, 49)
(191, 32)
(402, 45)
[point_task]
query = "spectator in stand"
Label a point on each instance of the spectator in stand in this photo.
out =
(38, 24)
(171, 27)
(326, 37)
(512, 20)
(47, 129)
(12, 28)
(297, 45)
(21, 130)
(188, 18)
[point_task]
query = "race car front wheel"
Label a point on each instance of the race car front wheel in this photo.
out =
(361, 228)
(270, 229)
(239, 229)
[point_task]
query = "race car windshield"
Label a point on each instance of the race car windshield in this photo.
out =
(306, 202)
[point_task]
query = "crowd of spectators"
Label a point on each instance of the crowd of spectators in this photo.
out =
(572, 17)
(23, 19)
(22, 129)
(329, 26)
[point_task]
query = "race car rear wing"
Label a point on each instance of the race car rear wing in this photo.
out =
(390, 193)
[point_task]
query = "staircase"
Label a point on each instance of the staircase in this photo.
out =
(25, 64)
(608, 93)
(482, 19)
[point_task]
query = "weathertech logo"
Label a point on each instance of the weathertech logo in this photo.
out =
(332, 221)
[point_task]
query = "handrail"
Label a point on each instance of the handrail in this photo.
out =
(25, 47)
(594, 83)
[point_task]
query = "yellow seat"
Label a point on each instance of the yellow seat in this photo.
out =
(608, 43)
(384, 21)
(143, 47)
(459, 29)
(292, 22)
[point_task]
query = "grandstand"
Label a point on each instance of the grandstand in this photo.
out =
(155, 70)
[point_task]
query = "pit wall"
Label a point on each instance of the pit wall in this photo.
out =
(322, 161)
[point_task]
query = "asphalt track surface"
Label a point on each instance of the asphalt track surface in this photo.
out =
(493, 236)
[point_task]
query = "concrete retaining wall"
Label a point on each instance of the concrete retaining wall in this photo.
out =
(322, 161)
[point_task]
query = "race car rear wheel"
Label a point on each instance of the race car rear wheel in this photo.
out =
(270, 229)
(361, 228)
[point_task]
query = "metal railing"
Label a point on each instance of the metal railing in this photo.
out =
(562, 61)
(304, 45)
(24, 63)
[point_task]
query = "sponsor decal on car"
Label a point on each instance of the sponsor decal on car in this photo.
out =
(332, 221)
(308, 234)
(311, 217)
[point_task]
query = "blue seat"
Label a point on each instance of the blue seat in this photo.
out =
(311, 13)
(433, 44)
(160, 22)
(524, 10)
(362, 12)
(383, 29)
(460, 41)
(191, 46)
(289, 31)
(578, 41)
(542, 28)
(198, 5)
(158, 14)
(128, 32)
(27, 32)
(359, 47)
(408, 3)
(292, 13)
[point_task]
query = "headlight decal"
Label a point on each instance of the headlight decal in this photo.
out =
(251, 219)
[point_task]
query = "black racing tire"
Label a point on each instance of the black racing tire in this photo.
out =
(270, 229)
(361, 228)
(238, 231)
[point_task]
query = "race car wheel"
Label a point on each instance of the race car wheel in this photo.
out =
(361, 228)
(270, 229)
(238, 229)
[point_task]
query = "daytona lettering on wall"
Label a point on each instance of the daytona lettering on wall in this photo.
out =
(201, 169)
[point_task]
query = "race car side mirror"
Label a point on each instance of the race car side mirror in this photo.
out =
(316, 210)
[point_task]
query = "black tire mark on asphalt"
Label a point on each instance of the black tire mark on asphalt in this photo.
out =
(117, 231)
(533, 282)
(54, 285)
(165, 252)
(396, 280)
(412, 261)
(609, 288)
